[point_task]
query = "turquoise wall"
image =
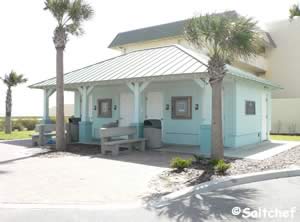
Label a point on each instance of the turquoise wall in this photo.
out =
(181, 131)
(229, 112)
(248, 127)
(113, 93)
(239, 129)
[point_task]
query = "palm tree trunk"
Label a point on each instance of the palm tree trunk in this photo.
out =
(8, 105)
(217, 126)
(60, 125)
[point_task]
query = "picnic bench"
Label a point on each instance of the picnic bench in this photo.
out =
(44, 132)
(112, 139)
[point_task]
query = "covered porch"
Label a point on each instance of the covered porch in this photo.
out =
(168, 84)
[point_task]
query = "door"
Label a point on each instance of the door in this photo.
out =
(126, 109)
(264, 117)
(154, 105)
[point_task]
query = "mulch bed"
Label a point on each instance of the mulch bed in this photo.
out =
(170, 180)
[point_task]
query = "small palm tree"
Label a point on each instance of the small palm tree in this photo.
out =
(224, 37)
(70, 16)
(10, 80)
(294, 11)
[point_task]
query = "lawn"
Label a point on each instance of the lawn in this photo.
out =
(15, 135)
(285, 137)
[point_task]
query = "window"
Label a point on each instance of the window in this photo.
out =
(250, 108)
(182, 107)
(105, 108)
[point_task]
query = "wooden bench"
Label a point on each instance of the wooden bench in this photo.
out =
(112, 141)
(44, 133)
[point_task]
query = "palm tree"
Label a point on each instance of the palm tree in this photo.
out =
(294, 11)
(10, 80)
(224, 37)
(69, 15)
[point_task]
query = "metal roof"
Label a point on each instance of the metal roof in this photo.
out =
(168, 30)
(147, 63)
(152, 64)
(149, 33)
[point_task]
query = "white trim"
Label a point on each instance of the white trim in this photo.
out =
(200, 82)
(144, 85)
(130, 86)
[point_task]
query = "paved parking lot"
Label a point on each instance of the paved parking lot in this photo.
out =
(73, 178)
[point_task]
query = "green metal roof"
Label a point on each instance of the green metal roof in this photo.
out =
(171, 61)
(149, 33)
(168, 30)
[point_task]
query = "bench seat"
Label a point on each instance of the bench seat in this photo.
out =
(110, 143)
(124, 141)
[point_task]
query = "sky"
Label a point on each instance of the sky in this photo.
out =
(26, 44)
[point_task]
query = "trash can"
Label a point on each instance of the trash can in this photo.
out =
(152, 132)
(74, 128)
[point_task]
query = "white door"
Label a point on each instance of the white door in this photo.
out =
(126, 109)
(264, 117)
(154, 105)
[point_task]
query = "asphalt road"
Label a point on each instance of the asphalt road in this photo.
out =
(274, 200)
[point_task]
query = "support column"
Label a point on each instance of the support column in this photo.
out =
(47, 94)
(137, 89)
(85, 125)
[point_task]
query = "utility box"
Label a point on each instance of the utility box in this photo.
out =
(152, 132)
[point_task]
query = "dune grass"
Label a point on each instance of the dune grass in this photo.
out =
(16, 135)
(285, 138)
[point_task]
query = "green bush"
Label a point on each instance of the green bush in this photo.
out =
(198, 158)
(29, 124)
(179, 163)
(17, 125)
(1, 125)
(214, 162)
(221, 167)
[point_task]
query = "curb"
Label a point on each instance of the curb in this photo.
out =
(229, 182)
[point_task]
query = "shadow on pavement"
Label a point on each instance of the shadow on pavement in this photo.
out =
(22, 143)
(211, 206)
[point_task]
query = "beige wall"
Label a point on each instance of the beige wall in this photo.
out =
(152, 44)
(284, 61)
(256, 65)
(286, 115)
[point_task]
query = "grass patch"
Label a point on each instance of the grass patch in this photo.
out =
(285, 137)
(16, 135)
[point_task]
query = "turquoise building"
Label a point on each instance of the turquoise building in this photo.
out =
(166, 82)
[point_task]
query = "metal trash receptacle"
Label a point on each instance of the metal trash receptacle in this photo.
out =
(152, 132)
(74, 127)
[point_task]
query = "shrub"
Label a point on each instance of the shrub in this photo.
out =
(17, 125)
(180, 163)
(30, 123)
(1, 125)
(214, 162)
(221, 167)
(198, 158)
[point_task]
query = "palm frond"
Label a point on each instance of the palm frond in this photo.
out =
(227, 35)
(13, 79)
(294, 11)
(70, 14)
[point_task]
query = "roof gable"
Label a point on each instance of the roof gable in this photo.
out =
(149, 33)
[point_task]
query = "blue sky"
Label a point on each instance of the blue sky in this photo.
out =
(26, 36)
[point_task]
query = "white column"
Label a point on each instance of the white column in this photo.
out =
(137, 88)
(84, 92)
(47, 94)
(137, 103)
(46, 106)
